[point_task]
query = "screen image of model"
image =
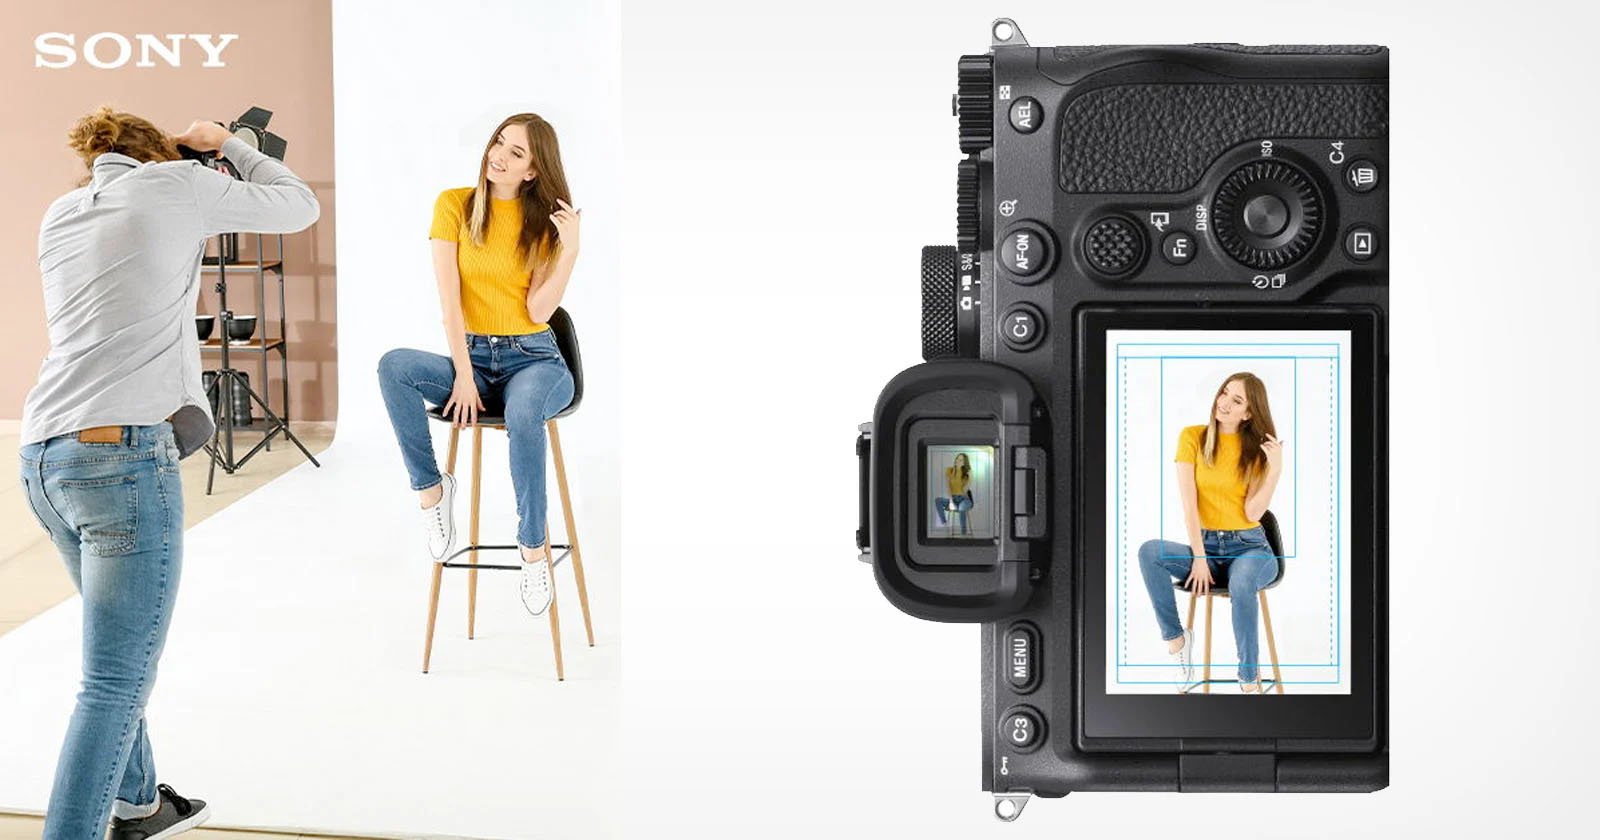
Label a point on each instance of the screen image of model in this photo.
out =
(1234, 447)
(959, 493)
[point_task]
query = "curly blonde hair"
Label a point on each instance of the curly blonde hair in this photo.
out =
(110, 130)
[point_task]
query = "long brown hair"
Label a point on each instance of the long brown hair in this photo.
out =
(1252, 432)
(966, 465)
(537, 198)
(110, 130)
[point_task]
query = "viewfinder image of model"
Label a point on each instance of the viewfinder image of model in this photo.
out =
(960, 493)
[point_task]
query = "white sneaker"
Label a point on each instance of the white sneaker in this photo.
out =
(536, 590)
(439, 521)
(1181, 658)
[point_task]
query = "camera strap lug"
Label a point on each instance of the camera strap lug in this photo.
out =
(864, 492)
(1005, 32)
(1008, 806)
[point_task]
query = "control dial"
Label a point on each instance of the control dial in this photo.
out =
(967, 206)
(1267, 214)
(974, 103)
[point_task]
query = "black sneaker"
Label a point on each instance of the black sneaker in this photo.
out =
(175, 816)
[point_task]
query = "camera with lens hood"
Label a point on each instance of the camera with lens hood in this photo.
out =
(1159, 344)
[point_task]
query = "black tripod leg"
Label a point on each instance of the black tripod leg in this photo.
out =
(273, 419)
(211, 451)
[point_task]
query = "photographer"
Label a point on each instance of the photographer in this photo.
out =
(117, 404)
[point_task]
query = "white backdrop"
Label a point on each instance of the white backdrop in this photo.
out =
(795, 157)
(415, 99)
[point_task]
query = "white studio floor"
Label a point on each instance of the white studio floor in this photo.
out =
(291, 695)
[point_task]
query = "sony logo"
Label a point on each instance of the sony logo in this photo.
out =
(110, 50)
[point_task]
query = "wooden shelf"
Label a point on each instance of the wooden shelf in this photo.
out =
(255, 345)
(248, 266)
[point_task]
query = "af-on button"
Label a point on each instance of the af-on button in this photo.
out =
(1026, 253)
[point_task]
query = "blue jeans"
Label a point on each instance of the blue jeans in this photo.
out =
(963, 504)
(115, 513)
(1240, 560)
(522, 377)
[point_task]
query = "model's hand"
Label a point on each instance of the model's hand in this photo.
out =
(566, 221)
(204, 136)
(1199, 576)
(1273, 449)
(464, 403)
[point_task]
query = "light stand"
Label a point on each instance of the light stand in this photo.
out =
(227, 379)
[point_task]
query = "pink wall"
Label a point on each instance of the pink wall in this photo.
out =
(282, 61)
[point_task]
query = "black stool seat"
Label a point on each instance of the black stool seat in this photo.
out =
(567, 342)
(1269, 524)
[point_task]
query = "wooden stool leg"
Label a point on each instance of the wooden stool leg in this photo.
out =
(438, 569)
(572, 529)
(1193, 595)
(1272, 644)
(433, 613)
(477, 492)
(555, 620)
(1207, 677)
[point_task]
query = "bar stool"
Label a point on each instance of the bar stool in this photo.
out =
(567, 341)
(1269, 524)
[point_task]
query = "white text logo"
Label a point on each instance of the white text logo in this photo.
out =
(110, 50)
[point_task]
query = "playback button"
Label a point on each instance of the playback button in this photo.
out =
(1361, 243)
(1022, 327)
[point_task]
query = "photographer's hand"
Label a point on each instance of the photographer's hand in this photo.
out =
(204, 136)
(1199, 576)
(465, 402)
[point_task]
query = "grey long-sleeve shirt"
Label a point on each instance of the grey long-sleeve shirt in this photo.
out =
(120, 260)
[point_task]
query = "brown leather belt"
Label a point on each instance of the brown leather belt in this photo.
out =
(107, 434)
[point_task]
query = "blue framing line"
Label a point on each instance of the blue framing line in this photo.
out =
(1336, 534)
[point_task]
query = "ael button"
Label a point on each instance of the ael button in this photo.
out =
(1026, 114)
(1022, 728)
(1022, 658)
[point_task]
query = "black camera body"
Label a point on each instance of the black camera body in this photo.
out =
(1135, 224)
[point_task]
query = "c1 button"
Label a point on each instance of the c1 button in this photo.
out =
(1025, 253)
(1026, 113)
(1361, 243)
(1177, 247)
(1022, 327)
(1361, 176)
(1022, 729)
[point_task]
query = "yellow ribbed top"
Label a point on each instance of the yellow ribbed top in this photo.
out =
(1218, 488)
(494, 281)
